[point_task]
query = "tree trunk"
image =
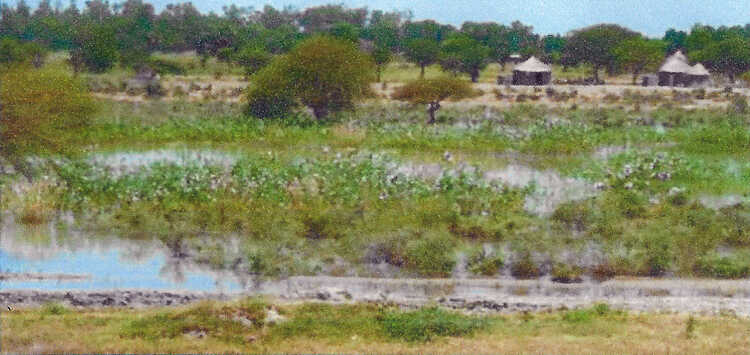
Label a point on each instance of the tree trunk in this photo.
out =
(596, 75)
(635, 78)
(421, 74)
(378, 72)
(474, 75)
(431, 109)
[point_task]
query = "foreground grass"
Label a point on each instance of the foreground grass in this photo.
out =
(321, 328)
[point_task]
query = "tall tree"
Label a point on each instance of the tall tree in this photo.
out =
(464, 54)
(422, 52)
(594, 45)
(640, 54)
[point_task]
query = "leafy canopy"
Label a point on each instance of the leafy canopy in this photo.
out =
(425, 91)
(323, 73)
(37, 108)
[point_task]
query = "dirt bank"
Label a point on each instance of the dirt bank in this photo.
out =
(475, 295)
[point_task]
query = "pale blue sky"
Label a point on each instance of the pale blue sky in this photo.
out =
(651, 17)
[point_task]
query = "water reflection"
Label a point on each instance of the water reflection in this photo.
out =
(110, 262)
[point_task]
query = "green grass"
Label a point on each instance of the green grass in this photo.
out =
(323, 328)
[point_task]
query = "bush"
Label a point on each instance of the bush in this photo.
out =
(485, 264)
(588, 314)
(724, 267)
(39, 108)
(428, 323)
(432, 256)
(656, 253)
(525, 268)
(566, 274)
(252, 59)
(166, 66)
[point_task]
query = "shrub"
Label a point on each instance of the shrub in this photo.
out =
(565, 273)
(166, 66)
(588, 314)
(485, 264)
(736, 266)
(54, 309)
(525, 268)
(38, 108)
(432, 256)
(428, 323)
(252, 59)
(656, 253)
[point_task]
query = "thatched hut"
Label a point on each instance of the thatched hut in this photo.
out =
(532, 72)
(698, 76)
(674, 71)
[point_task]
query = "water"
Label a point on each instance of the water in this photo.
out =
(101, 263)
(550, 191)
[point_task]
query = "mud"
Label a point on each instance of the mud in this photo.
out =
(477, 295)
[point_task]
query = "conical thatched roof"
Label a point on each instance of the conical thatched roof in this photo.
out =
(532, 65)
(679, 56)
(674, 64)
(698, 70)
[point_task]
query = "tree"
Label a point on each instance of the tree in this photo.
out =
(675, 40)
(639, 54)
(252, 59)
(38, 108)
(323, 73)
(422, 52)
(345, 31)
(95, 48)
(464, 54)
(381, 56)
(432, 91)
(730, 56)
(594, 45)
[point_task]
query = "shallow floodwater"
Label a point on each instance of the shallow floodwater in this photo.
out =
(99, 263)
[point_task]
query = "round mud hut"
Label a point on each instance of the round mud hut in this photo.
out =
(698, 76)
(532, 72)
(674, 71)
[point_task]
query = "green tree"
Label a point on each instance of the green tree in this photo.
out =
(381, 56)
(432, 91)
(464, 54)
(252, 59)
(594, 45)
(345, 31)
(730, 57)
(675, 40)
(422, 52)
(95, 48)
(323, 73)
(38, 109)
(639, 54)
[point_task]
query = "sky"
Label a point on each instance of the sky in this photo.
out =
(651, 17)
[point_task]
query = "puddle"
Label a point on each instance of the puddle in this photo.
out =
(120, 163)
(46, 259)
(551, 188)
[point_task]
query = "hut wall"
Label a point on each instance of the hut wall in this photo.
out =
(531, 78)
(673, 79)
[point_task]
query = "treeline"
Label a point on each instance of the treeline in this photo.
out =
(102, 34)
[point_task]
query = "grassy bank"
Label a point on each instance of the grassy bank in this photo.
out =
(255, 326)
